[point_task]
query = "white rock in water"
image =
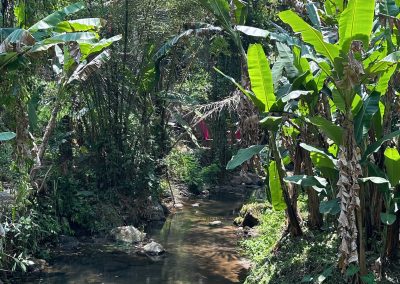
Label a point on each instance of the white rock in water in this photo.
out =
(215, 223)
(128, 234)
(153, 248)
(196, 205)
(179, 205)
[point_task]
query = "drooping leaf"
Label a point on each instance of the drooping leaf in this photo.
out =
(284, 62)
(52, 20)
(251, 31)
(244, 155)
(330, 207)
(275, 187)
(271, 123)
(375, 146)
(392, 164)
(376, 180)
(6, 136)
(383, 82)
(388, 219)
(261, 76)
(362, 121)
(307, 181)
(389, 7)
(330, 129)
(294, 95)
(249, 94)
(355, 23)
(310, 35)
(86, 69)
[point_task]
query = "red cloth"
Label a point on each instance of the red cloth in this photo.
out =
(204, 130)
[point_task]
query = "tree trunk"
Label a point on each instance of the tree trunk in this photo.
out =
(293, 219)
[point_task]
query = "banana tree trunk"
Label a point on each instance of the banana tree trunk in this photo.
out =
(349, 192)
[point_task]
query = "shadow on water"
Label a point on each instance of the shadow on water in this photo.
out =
(196, 253)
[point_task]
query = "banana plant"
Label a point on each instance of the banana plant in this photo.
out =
(358, 68)
(78, 49)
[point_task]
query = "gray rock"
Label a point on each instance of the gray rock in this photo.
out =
(127, 234)
(179, 205)
(153, 248)
(215, 224)
(156, 212)
(195, 205)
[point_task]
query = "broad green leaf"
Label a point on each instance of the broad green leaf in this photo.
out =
(310, 35)
(383, 82)
(284, 62)
(392, 164)
(389, 7)
(312, 12)
(52, 20)
(355, 23)
(68, 37)
(271, 123)
(275, 187)
(244, 155)
(260, 76)
(90, 48)
(221, 10)
(330, 207)
(241, 11)
(352, 270)
(313, 149)
(81, 25)
(330, 129)
(307, 181)
(251, 31)
(362, 121)
(5, 136)
(295, 95)
(377, 145)
(388, 219)
(376, 180)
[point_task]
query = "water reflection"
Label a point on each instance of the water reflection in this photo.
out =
(196, 253)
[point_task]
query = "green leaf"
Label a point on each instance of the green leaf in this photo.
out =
(352, 270)
(368, 279)
(284, 62)
(376, 180)
(241, 11)
(52, 20)
(330, 207)
(362, 121)
(383, 82)
(244, 155)
(389, 7)
(5, 136)
(392, 164)
(330, 129)
(295, 95)
(91, 48)
(275, 187)
(375, 146)
(313, 15)
(355, 23)
(271, 123)
(388, 219)
(260, 76)
(85, 70)
(80, 25)
(307, 181)
(310, 35)
(251, 31)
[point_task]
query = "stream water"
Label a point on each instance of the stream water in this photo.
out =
(196, 253)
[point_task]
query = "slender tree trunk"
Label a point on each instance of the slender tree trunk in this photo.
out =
(294, 224)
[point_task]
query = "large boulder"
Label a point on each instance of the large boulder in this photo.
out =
(127, 234)
(153, 249)
(156, 212)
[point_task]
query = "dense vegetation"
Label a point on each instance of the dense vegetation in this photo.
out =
(104, 103)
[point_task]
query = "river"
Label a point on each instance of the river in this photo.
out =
(196, 253)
